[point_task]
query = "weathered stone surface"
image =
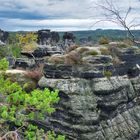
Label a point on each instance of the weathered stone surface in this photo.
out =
(46, 37)
(3, 36)
(98, 59)
(96, 109)
(129, 65)
(25, 63)
(66, 72)
(68, 39)
(43, 51)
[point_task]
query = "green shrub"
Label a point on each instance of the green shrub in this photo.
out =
(4, 64)
(19, 108)
(103, 40)
(53, 136)
(107, 73)
(28, 41)
(3, 52)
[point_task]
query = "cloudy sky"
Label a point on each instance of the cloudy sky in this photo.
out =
(60, 15)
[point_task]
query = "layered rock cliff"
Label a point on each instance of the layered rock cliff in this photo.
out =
(92, 106)
(96, 109)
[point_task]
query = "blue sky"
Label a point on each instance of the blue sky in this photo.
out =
(59, 15)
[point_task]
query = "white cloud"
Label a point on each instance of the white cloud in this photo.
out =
(59, 14)
(57, 24)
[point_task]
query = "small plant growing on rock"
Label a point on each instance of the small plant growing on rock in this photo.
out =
(107, 73)
(4, 64)
(92, 52)
(73, 58)
(18, 109)
(28, 42)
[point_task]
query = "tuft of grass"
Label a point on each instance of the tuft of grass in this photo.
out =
(56, 60)
(83, 50)
(71, 48)
(92, 52)
(104, 51)
(73, 58)
(123, 45)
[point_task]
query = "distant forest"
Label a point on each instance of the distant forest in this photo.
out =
(113, 35)
(95, 35)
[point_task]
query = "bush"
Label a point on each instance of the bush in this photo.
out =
(103, 40)
(18, 109)
(28, 42)
(4, 64)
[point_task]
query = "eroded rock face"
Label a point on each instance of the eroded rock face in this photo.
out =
(69, 39)
(96, 109)
(93, 107)
(3, 36)
(46, 37)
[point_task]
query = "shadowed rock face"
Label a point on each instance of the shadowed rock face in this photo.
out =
(46, 37)
(3, 36)
(93, 107)
(97, 109)
(68, 39)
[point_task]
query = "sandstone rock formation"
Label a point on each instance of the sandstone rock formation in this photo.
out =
(96, 109)
(92, 106)
(46, 37)
(3, 36)
(69, 39)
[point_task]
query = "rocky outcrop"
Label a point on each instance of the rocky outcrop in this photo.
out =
(130, 59)
(3, 36)
(46, 37)
(99, 108)
(68, 39)
(25, 63)
(92, 106)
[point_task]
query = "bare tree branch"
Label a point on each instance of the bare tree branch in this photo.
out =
(113, 14)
